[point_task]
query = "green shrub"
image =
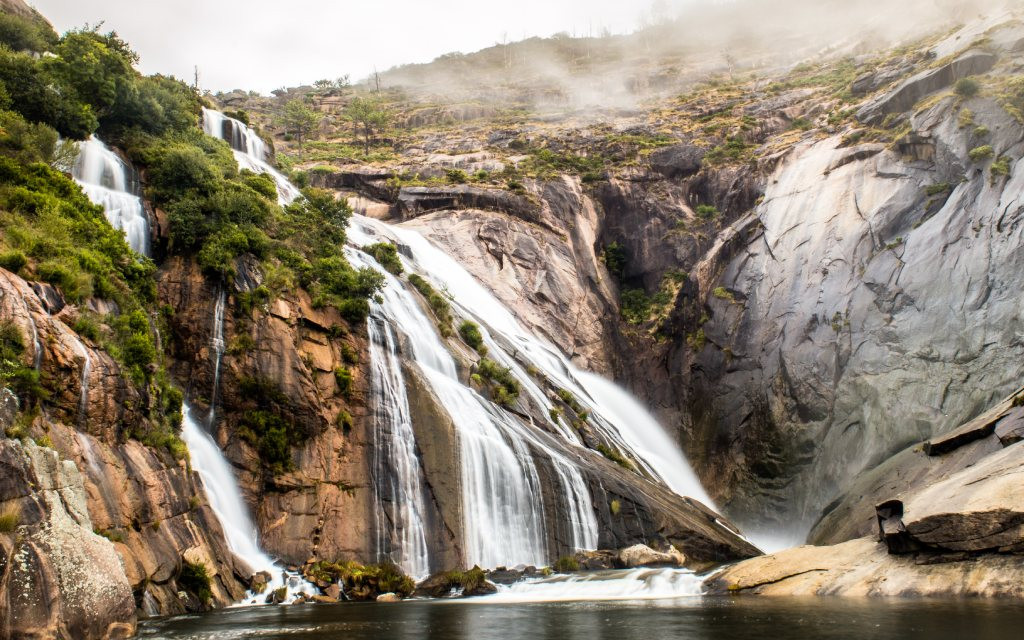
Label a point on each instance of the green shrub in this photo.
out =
(499, 381)
(732, 151)
(364, 581)
(26, 34)
(343, 377)
(723, 294)
(13, 261)
(614, 256)
(456, 176)
(348, 354)
(195, 579)
(979, 154)
(967, 88)
(438, 304)
(386, 253)
(634, 306)
(22, 379)
(938, 189)
(706, 211)
(615, 456)
(471, 335)
(567, 564)
(9, 521)
(1000, 168)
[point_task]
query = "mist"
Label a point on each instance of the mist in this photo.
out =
(676, 45)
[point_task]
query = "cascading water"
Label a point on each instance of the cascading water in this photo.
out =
(250, 150)
(83, 399)
(621, 418)
(217, 347)
(227, 503)
(503, 518)
(634, 584)
(111, 183)
(399, 491)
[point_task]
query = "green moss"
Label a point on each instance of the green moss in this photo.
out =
(615, 456)
(614, 507)
(938, 189)
(614, 256)
(9, 521)
(1000, 168)
(364, 581)
(723, 294)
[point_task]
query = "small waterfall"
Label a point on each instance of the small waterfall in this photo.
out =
(227, 503)
(250, 150)
(398, 487)
(632, 584)
(217, 347)
(90, 454)
(111, 183)
(83, 400)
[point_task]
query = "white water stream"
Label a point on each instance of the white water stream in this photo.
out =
(111, 183)
(250, 150)
(628, 584)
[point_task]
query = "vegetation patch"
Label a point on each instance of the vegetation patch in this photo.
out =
(364, 582)
(438, 304)
(471, 335)
(386, 253)
(195, 579)
(501, 385)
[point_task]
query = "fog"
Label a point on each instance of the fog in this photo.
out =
(681, 44)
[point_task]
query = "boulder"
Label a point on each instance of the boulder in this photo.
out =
(1010, 428)
(864, 567)
(640, 555)
(678, 160)
(480, 588)
(389, 597)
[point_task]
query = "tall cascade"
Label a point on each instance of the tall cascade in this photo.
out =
(217, 347)
(400, 494)
(250, 150)
(113, 184)
(504, 520)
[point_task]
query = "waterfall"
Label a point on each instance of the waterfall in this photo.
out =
(229, 506)
(111, 183)
(634, 584)
(83, 399)
(217, 347)
(250, 150)
(502, 511)
(399, 491)
(617, 415)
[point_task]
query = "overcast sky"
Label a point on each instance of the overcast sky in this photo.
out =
(267, 44)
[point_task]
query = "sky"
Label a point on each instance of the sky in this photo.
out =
(264, 45)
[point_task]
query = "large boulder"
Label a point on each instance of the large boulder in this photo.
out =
(678, 160)
(640, 555)
(59, 579)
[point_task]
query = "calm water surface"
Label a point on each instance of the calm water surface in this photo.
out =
(691, 618)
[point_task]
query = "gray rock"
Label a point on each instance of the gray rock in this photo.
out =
(909, 92)
(1010, 428)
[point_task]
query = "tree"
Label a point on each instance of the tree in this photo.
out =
(299, 120)
(368, 117)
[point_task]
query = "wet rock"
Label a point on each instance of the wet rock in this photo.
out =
(389, 597)
(640, 555)
(333, 591)
(438, 585)
(328, 599)
(481, 588)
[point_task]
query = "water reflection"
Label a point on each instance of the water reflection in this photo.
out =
(746, 618)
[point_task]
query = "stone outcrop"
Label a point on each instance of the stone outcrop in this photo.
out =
(863, 567)
(322, 506)
(57, 577)
(912, 90)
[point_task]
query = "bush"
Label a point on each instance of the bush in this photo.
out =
(614, 256)
(470, 332)
(979, 154)
(344, 379)
(723, 294)
(14, 261)
(1000, 168)
(635, 306)
(25, 34)
(567, 564)
(456, 176)
(195, 579)
(22, 379)
(967, 88)
(706, 211)
(499, 381)
(615, 456)
(386, 253)
(438, 304)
